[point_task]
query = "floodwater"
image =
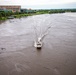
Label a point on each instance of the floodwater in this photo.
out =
(18, 56)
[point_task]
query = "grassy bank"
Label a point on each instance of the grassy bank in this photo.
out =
(4, 16)
(15, 16)
(19, 16)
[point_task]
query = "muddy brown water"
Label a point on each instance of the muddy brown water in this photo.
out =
(58, 54)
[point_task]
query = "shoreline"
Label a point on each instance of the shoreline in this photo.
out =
(20, 16)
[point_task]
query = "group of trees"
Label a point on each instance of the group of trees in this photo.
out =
(62, 10)
(56, 11)
(4, 14)
(7, 13)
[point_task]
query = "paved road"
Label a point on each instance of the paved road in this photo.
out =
(58, 55)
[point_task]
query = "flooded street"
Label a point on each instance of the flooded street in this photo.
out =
(18, 56)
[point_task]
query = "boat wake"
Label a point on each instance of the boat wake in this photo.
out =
(38, 43)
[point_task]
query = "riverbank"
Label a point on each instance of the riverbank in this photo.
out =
(20, 15)
(16, 16)
(5, 16)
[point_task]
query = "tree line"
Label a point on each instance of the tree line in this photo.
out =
(5, 14)
(56, 11)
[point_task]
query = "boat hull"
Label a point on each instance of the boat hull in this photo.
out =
(38, 45)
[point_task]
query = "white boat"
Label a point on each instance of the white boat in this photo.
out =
(38, 45)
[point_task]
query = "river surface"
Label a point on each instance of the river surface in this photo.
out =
(18, 56)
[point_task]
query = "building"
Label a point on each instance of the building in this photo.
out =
(12, 8)
(27, 11)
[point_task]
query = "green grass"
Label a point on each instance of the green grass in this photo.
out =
(3, 18)
(20, 15)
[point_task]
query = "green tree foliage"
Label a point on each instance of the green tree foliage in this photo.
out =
(6, 13)
(55, 11)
